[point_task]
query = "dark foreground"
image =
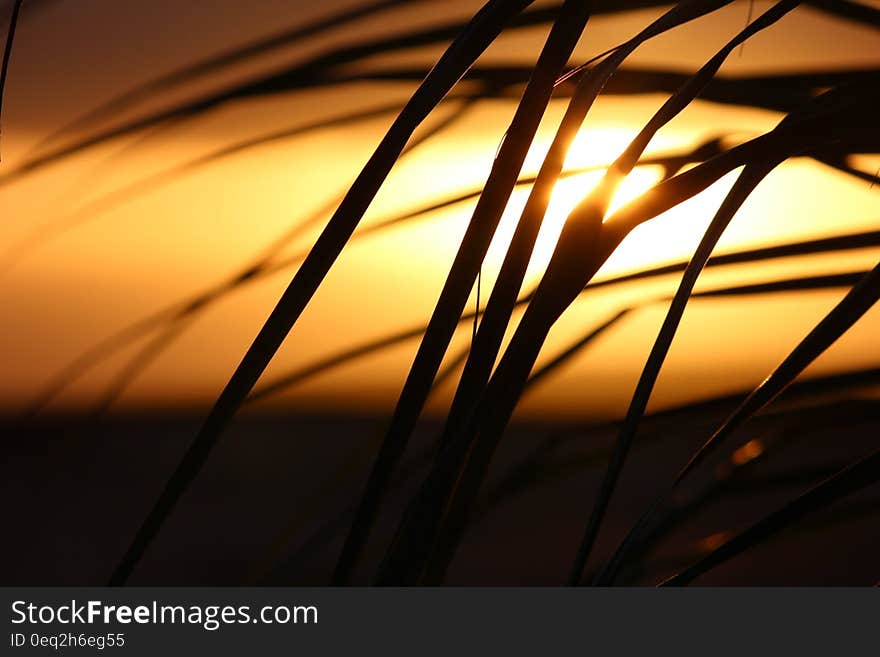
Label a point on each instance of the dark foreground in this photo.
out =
(273, 503)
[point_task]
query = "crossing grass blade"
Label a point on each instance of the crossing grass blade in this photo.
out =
(476, 37)
(316, 72)
(847, 312)
(447, 492)
(581, 246)
(263, 265)
(747, 181)
(285, 381)
(501, 303)
(855, 477)
(563, 37)
(213, 64)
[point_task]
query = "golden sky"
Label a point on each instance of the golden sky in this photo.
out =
(114, 263)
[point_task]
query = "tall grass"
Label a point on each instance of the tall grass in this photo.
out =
(828, 116)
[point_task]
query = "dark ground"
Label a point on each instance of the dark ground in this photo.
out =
(270, 506)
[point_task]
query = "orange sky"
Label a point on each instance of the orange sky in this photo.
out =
(119, 265)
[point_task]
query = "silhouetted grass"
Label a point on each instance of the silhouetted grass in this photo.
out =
(464, 270)
(849, 480)
(319, 70)
(455, 61)
(828, 115)
(461, 468)
(218, 62)
(856, 303)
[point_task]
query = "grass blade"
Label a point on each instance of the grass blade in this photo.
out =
(846, 313)
(581, 245)
(315, 72)
(482, 30)
(857, 476)
(745, 184)
(455, 481)
(560, 43)
(192, 72)
(262, 266)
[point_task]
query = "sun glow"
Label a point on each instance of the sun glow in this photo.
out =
(594, 150)
(567, 193)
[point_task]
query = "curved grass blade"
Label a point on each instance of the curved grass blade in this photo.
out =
(104, 204)
(563, 37)
(312, 73)
(179, 314)
(480, 32)
(286, 381)
(516, 260)
(857, 476)
(747, 181)
(461, 467)
(487, 340)
(192, 72)
(847, 312)
(262, 267)
(838, 115)
(520, 250)
(579, 245)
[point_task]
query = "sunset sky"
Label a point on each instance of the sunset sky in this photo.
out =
(104, 264)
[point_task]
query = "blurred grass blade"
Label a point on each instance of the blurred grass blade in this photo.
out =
(776, 92)
(480, 32)
(558, 361)
(173, 321)
(622, 222)
(563, 37)
(455, 481)
(747, 181)
(847, 312)
(286, 381)
(262, 267)
(779, 92)
(189, 74)
(859, 475)
(316, 72)
(417, 532)
(851, 308)
(578, 255)
(319, 71)
(42, 235)
(513, 269)
(857, 12)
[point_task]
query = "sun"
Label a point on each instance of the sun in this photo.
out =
(585, 166)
